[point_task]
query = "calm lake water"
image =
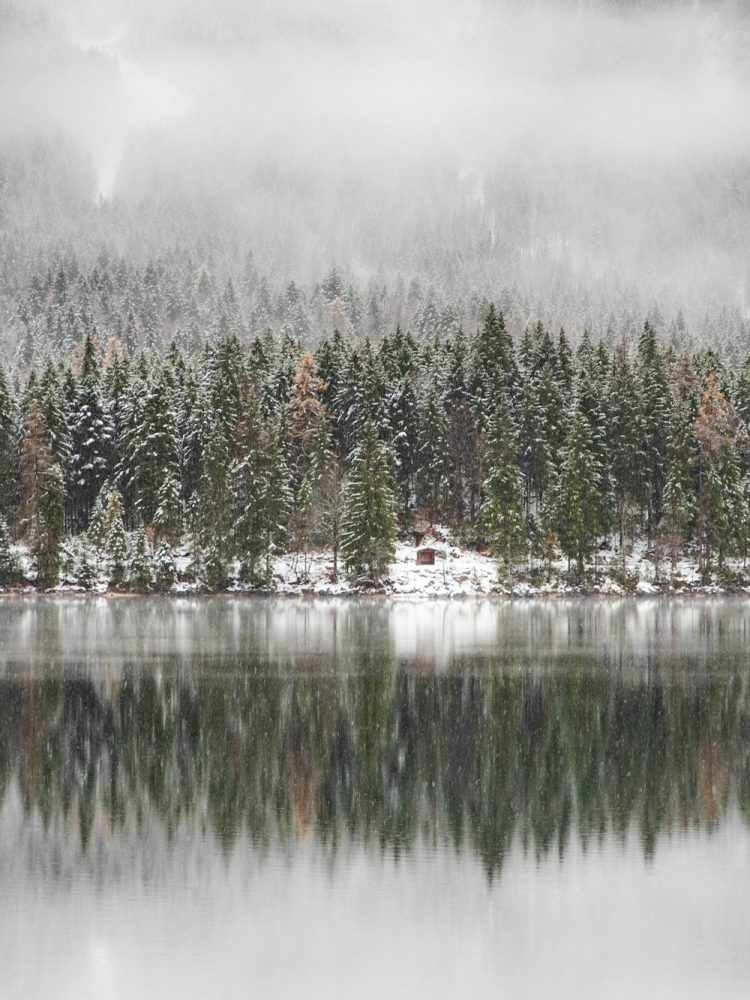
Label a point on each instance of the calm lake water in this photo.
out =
(283, 798)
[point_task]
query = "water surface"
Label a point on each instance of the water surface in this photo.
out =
(248, 797)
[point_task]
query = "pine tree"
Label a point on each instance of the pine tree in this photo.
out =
(577, 502)
(165, 570)
(331, 510)
(369, 525)
(626, 445)
(96, 529)
(263, 498)
(42, 498)
(141, 570)
(167, 517)
(215, 508)
(716, 430)
(494, 366)
(655, 413)
(83, 569)
(90, 441)
(307, 433)
(150, 469)
(679, 492)
(115, 538)
(9, 451)
(432, 454)
(10, 568)
(502, 509)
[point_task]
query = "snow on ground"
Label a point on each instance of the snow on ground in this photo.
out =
(459, 573)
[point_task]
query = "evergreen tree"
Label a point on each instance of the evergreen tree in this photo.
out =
(502, 509)
(577, 503)
(214, 512)
(9, 450)
(84, 572)
(115, 538)
(655, 408)
(626, 444)
(141, 570)
(10, 568)
(42, 498)
(679, 492)
(165, 570)
(716, 431)
(368, 534)
(432, 455)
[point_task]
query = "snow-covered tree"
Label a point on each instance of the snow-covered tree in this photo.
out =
(368, 536)
(115, 538)
(502, 510)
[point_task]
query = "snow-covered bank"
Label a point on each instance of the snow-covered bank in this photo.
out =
(465, 573)
(456, 573)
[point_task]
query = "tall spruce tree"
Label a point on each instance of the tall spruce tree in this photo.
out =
(577, 502)
(42, 498)
(679, 492)
(9, 449)
(716, 429)
(368, 536)
(502, 509)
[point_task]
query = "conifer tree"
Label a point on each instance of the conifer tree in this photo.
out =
(42, 498)
(214, 512)
(167, 518)
(115, 538)
(494, 366)
(655, 413)
(141, 570)
(90, 441)
(577, 502)
(502, 509)
(96, 529)
(150, 470)
(165, 570)
(10, 568)
(679, 491)
(432, 469)
(626, 443)
(84, 572)
(331, 508)
(262, 496)
(9, 449)
(716, 431)
(368, 536)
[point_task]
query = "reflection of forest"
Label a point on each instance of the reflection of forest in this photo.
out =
(383, 756)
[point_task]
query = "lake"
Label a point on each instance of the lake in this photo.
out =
(250, 797)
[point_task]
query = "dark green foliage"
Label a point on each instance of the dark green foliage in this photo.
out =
(10, 569)
(141, 569)
(577, 501)
(244, 452)
(165, 570)
(368, 534)
(115, 538)
(502, 510)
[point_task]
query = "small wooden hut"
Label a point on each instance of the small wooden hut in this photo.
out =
(426, 555)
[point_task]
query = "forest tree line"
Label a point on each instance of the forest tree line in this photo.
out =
(111, 462)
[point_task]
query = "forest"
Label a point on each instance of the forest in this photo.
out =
(115, 463)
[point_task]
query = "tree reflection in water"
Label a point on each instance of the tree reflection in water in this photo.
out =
(511, 734)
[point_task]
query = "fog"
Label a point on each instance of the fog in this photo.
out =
(543, 145)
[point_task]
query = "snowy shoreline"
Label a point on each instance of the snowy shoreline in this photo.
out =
(456, 574)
